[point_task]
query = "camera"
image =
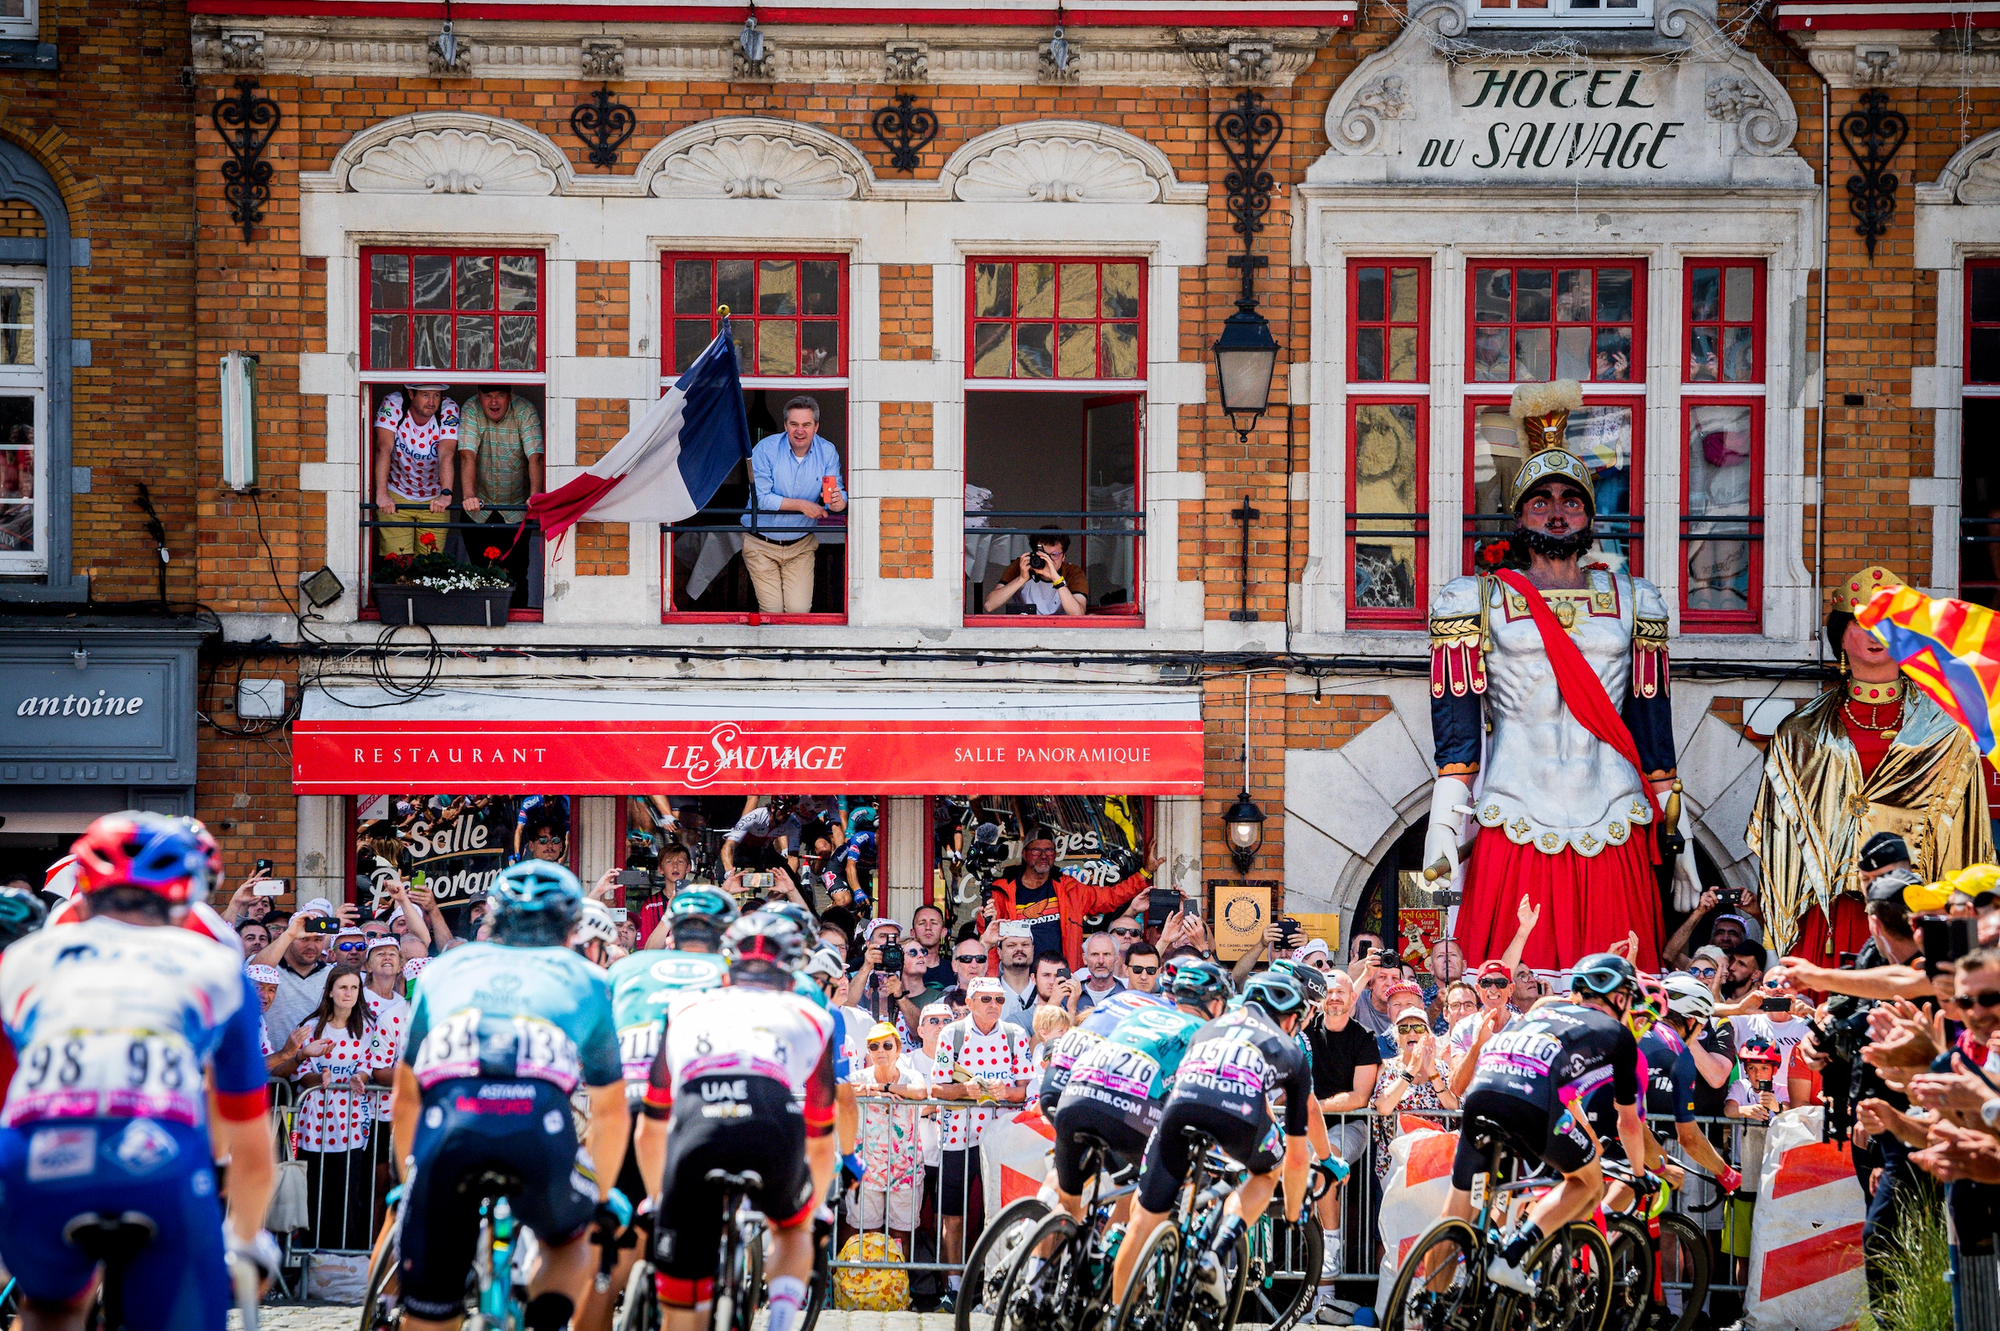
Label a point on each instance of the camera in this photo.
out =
(758, 881)
(1729, 896)
(892, 956)
(634, 878)
(1044, 567)
(1774, 1003)
(264, 866)
(1946, 938)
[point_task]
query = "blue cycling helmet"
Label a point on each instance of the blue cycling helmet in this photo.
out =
(1197, 980)
(535, 903)
(21, 913)
(1603, 974)
(147, 851)
(702, 905)
(1276, 991)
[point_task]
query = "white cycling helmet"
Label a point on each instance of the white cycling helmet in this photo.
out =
(595, 923)
(1689, 997)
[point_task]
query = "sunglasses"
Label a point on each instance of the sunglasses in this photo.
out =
(349, 947)
(885, 1044)
(1320, 964)
(546, 840)
(1702, 972)
(1496, 984)
(970, 958)
(1126, 933)
(1143, 970)
(1411, 1029)
(1989, 999)
(989, 998)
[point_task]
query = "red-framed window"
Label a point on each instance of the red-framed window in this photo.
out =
(1608, 433)
(1979, 421)
(1722, 507)
(1721, 533)
(1388, 504)
(456, 311)
(465, 317)
(787, 312)
(1724, 304)
(1982, 321)
(1538, 319)
(1055, 318)
(1388, 303)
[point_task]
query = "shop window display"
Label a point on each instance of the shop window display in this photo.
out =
(828, 844)
(453, 845)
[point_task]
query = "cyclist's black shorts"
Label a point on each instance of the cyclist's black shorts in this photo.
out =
(712, 1128)
(630, 1181)
(518, 1129)
(1528, 1130)
(1127, 1143)
(1255, 1143)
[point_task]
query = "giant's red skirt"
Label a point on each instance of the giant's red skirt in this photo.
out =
(1588, 902)
(1821, 946)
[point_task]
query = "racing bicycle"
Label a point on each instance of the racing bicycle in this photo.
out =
(1060, 1277)
(1162, 1295)
(992, 1258)
(501, 1260)
(1443, 1286)
(1659, 1260)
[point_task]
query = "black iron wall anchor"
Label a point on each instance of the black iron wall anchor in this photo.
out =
(603, 125)
(1245, 515)
(1872, 132)
(905, 129)
(1249, 130)
(246, 122)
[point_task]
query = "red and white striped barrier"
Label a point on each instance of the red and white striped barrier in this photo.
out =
(1805, 1237)
(1018, 1148)
(1413, 1196)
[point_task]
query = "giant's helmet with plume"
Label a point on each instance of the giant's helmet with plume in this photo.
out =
(1541, 413)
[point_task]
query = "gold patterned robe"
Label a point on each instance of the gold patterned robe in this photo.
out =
(1814, 812)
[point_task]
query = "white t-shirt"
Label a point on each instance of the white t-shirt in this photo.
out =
(916, 1065)
(1785, 1033)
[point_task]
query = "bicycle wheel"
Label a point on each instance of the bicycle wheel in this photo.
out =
(1631, 1292)
(1023, 1302)
(1572, 1273)
(1283, 1275)
(819, 1290)
(1238, 1261)
(381, 1309)
(750, 1269)
(638, 1311)
(1442, 1283)
(1149, 1301)
(1681, 1263)
(988, 1262)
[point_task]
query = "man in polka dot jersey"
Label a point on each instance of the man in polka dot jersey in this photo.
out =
(979, 1058)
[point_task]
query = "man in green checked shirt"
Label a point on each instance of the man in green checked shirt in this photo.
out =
(500, 463)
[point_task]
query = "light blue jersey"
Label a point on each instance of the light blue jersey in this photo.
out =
(513, 1013)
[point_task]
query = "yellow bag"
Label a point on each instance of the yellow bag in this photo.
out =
(871, 1290)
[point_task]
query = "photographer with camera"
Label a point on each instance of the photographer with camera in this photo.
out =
(1042, 581)
(1725, 916)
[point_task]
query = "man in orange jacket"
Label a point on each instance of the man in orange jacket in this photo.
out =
(1054, 904)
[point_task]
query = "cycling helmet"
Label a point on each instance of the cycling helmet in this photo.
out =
(148, 851)
(21, 913)
(1603, 974)
(1756, 1050)
(703, 906)
(1310, 981)
(534, 903)
(1275, 991)
(1197, 980)
(862, 817)
(763, 945)
(595, 922)
(211, 851)
(1649, 1004)
(1689, 997)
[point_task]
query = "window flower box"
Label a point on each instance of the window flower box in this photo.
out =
(411, 604)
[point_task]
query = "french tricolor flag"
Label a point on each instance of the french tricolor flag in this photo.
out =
(669, 464)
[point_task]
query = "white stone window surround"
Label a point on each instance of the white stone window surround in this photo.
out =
(1957, 218)
(1666, 230)
(542, 204)
(31, 381)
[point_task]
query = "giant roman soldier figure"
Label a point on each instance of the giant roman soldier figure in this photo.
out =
(1551, 719)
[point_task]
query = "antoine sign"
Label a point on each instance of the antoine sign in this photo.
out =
(1679, 108)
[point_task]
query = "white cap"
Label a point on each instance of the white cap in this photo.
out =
(262, 974)
(317, 906)
(384, 940)
(877, 923)
(985, 984)
(1309, 948)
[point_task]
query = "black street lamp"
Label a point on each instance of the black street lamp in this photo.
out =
(1246, 355)
(1243, 823)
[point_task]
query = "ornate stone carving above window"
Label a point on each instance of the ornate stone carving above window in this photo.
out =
(445, 152)
(754, 158)
(1063, 161)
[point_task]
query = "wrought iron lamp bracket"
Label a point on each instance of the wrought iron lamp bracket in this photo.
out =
(246, 120)
(1873, 131)
(1249, 130)
(905, 129)
(603, 125)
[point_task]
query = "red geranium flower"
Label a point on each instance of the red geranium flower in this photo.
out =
(426, 538)
(492, 552)
(1493, 554)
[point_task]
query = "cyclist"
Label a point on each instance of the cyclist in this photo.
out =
(1115, 1090)
(1690, 1006)
(746, 1073)
(641, 987)
(117, 1019)
(501, 1033)
(1532, 1086)
(1233, 1064)
(1097, 1022)
(594, 934)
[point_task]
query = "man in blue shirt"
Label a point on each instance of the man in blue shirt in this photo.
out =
(797, 479)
